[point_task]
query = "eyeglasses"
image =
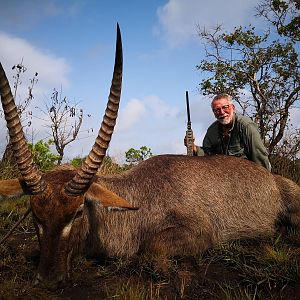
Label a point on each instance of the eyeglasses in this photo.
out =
(219, 109)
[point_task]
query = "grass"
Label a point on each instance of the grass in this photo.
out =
(243, 269)
(265, 267)
(246, 269)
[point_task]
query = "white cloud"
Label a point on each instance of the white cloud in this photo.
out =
(132, 113)
(178, 19)
(52, 70)
(138, 112)
(159, 108)
(160, 126)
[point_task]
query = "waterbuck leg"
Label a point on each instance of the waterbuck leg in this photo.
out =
(179, 241)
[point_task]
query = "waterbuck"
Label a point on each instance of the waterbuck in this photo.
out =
(169, 204)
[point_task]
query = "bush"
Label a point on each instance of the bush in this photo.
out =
(134, 156)
(76, 161)
(42, 156)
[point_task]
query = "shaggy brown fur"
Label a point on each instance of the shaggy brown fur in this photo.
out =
(186, 205)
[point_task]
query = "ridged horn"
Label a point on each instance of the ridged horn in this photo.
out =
(22, 154)
(81, 181)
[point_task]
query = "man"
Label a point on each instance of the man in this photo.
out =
(232, 134)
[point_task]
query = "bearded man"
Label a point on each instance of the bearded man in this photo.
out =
(232, 134)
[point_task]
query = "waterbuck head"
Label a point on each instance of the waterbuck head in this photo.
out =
(57, 198)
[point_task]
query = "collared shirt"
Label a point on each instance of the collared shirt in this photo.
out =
(243, 140)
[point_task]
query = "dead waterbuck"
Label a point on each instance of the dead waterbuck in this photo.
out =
(185, 204)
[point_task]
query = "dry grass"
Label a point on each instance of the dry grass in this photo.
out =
(246, 269)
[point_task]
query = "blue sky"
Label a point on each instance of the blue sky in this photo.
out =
(71, 45)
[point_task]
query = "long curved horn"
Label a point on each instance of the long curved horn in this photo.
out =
(22, 154)
(81, 181)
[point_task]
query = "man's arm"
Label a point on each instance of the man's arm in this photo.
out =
(255, 148)
(211, 139)
(198, 151)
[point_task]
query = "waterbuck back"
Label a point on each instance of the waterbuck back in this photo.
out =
(187, 204)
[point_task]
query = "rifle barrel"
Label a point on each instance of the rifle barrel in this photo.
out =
(188, 106)
(189, 132)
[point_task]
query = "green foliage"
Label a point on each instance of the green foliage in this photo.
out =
(134, 156)
(76, 161)
(42, 156)
(284, 15)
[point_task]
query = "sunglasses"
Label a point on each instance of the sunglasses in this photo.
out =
(219, 109)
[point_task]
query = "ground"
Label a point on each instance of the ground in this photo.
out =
(248, 269)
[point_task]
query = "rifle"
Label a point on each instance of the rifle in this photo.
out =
(189, 133)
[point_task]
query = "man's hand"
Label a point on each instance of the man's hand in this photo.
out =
(185, 141)
(194, 146)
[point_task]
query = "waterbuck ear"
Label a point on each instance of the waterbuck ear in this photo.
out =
(11, 188)
(107, 198)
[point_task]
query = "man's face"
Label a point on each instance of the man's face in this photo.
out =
(223, 111)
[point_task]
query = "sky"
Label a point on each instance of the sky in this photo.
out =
(71, 46)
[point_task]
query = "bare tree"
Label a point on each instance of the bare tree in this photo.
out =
(65, 121)
(22, 105)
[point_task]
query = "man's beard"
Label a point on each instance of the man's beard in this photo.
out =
(225, 121)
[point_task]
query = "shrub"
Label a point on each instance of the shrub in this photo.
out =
(42, 156)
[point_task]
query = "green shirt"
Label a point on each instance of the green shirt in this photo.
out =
(243, 141)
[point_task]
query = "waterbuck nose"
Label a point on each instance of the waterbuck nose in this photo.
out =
(50, 283)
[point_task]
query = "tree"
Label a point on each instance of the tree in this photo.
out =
(22, 105)
(262, 75)
(284, 15)
(63, 116)
(42, 156)
(65, 121)
(134, 156)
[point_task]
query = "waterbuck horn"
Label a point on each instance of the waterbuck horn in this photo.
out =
(82, 180)
(31, 175)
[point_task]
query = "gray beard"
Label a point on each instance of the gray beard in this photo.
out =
(224, 121)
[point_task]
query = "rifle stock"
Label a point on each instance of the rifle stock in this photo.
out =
(189, 132)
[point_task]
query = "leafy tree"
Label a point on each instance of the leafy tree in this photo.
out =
(284, 15)
(134, 156)
(262, 75)
(42, 156)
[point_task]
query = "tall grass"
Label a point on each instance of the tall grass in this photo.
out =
(287, 167)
